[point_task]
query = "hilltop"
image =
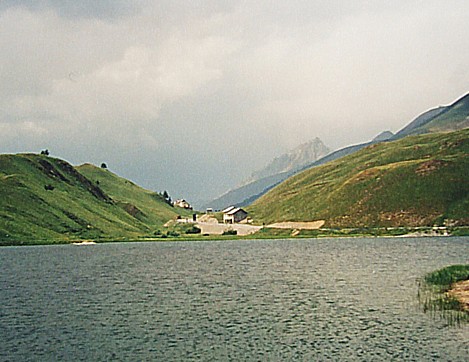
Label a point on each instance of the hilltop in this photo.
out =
(441, 119)
(416, 181)
(45, 198)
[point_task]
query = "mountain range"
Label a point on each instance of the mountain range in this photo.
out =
(440, 119)
(278, 170)
(419, 180)
(417, 177)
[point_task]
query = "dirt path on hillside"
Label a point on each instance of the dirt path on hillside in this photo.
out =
(306, 225)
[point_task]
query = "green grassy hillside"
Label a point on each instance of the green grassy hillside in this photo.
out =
(147, 206)
(416, 181)
(43, 198)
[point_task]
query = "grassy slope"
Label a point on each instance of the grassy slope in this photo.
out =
(147, 206)
(76, 208)
(415, 181)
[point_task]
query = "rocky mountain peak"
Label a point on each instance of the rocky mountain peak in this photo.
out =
(293, 160)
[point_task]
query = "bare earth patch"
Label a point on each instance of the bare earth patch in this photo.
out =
(429, 166)
(460, 291)
(212, 228)
(306, 225)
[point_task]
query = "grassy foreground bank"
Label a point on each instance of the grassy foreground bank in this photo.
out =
(437, 293)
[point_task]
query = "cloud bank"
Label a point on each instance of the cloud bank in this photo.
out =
(192, 97)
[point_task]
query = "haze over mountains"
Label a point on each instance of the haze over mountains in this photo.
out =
(292, 160)
(276, 171)
(418, 176)
(444, 118)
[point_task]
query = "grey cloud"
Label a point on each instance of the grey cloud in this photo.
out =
(78, 9)
(193, 96)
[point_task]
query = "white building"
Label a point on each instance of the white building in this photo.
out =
(232, 215)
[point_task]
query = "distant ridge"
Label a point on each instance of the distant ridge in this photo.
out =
(420, 180)
(441, 119)
(446, 118)
(383, 136)
(292, 160)
(278, 170)
(415, 127)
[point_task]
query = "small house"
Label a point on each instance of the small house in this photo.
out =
(183, 204)
(233, 215)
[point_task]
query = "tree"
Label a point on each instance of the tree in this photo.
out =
(167, 198)
(45, 152)
(103, 165)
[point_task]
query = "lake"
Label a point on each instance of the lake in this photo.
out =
(263, 300)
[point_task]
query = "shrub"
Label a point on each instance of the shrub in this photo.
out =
(230, 232)
(193, 230)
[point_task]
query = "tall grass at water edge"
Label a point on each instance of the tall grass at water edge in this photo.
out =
(434, 298)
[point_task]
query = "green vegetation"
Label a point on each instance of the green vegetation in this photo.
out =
(193, 230)
(386, 189)
(273, 233)
(417, 181)
(149, 207)
(44, 200)
(230, 232)
(434, 297)
(444, 278)
(181, 228)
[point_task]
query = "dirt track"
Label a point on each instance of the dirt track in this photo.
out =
(309, 225)
(218, 229)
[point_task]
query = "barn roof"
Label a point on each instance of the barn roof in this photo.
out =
(228, 209)
(234, 211)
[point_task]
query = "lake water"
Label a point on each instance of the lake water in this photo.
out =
(266, 300)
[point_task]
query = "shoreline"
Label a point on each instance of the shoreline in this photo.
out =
(266, 235)
(460, 291)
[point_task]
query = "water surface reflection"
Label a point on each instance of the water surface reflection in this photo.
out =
(307, 299)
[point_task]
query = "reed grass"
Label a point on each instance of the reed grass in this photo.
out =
(434, 298)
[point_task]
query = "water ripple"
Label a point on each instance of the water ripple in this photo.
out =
(349, 299)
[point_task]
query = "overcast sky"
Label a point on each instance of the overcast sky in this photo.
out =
(192, 96)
